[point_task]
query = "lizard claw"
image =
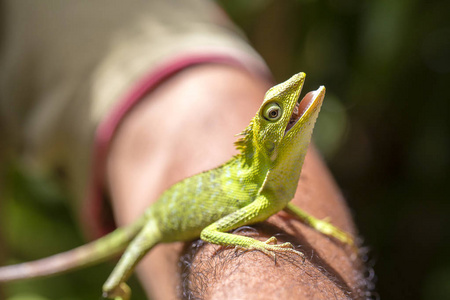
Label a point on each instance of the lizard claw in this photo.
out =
(326, 228)
(270, 248)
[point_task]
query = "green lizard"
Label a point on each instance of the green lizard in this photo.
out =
(253, 185)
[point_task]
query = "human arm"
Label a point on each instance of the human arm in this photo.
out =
(142, 163)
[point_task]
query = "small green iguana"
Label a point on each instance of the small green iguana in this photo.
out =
(253, 185)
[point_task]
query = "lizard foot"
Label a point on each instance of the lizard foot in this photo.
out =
(122, 292)
(327, 228)
(270, 248)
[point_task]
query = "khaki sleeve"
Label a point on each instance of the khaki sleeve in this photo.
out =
(70, 70)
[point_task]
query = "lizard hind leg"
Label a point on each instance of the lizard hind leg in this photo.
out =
(115, 286)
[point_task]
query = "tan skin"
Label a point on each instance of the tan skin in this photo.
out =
(187, 125)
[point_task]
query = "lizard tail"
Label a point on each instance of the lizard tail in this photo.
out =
(83, 256)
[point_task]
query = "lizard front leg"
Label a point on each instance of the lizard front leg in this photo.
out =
(321, 226)
(257, 211)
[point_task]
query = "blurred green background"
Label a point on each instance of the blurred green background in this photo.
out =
(384, 130)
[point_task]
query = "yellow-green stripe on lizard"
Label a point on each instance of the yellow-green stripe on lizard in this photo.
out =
(253, 185)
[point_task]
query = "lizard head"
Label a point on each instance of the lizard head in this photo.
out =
(278, 136)
(283, 123)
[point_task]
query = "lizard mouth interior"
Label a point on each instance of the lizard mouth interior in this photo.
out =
(300, 108)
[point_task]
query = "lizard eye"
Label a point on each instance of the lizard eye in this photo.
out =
(272, 112)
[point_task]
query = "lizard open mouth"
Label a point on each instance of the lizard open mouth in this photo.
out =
(300, 108)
